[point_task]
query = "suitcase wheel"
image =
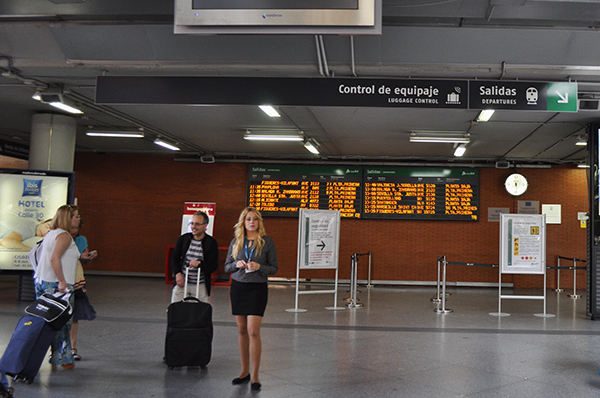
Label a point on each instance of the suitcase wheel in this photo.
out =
(24, 379)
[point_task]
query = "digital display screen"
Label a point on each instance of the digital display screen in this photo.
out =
(426, 194)
(274, 4)
(283, 190)
(366, 192)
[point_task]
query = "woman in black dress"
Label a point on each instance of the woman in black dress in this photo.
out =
(251, 258)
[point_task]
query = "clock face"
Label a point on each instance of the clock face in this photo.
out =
(516, 184)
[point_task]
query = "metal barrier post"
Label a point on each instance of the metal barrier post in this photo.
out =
(369, 274)
(558, 289)
(443, 310)
(437, 299)
(353, 283)
(574, 296)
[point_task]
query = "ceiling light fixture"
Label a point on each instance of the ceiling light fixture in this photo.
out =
(115, 133)
(311, 144)
(581, 140)
(54, 97)
(451, 137)
(269, 110)
(460, 150)
(294, 135)
(485, 115)
(164, 144)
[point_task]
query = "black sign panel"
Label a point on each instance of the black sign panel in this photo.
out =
(409, 93)
(380, 93)
(19, 151)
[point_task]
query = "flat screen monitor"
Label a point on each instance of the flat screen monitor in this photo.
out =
(355, 17)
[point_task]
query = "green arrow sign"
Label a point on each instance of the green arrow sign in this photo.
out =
(562, 97)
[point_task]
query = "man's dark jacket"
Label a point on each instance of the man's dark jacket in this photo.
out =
(210, 250)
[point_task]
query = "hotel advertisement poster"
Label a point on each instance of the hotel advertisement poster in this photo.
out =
(28, 201)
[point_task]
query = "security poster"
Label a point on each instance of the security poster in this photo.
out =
(28, 201)
(523, 244)
(319, 239)
(192, 207)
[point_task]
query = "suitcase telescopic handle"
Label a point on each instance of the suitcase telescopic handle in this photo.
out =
(185, 285)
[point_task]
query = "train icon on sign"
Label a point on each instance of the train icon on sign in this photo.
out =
(531, 95)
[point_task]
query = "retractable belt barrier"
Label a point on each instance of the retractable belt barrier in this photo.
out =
(441, 278)
(574, 268)
(442, 263)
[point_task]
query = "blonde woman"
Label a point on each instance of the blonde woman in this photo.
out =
(56, 272)
(251, 258)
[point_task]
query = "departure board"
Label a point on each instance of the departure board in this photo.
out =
(425, 194)
(281, 190)
(366, 192)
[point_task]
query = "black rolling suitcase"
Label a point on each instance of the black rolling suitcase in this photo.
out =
(189, 332)
(27, 348)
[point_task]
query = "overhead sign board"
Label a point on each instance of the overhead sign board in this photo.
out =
(377, 93)
(14, 150)
(395, 93)
(523, 96)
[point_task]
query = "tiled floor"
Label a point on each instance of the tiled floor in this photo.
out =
(395, 346)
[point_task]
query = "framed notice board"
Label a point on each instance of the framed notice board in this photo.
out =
(523, 243)
(366, 192)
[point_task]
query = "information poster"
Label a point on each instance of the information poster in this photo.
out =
(523, 244)
(192, 207)
(28, 201)
(319, 239)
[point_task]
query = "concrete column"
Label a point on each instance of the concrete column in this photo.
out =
(52, 145)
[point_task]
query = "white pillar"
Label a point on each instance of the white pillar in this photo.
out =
(52, 145)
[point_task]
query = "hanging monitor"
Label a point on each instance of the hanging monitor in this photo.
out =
(344, 17)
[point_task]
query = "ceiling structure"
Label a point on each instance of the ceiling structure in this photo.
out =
(68, 43)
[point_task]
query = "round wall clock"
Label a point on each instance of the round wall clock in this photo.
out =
(516, 184)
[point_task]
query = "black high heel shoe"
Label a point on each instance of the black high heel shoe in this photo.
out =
(238, 380)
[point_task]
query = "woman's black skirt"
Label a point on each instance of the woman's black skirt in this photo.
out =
(248, 298)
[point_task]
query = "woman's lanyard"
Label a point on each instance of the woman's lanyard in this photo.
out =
(248, 257)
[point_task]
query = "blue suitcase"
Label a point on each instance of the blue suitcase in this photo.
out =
(27, 348)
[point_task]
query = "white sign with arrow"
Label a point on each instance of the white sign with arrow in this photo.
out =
(321, 236)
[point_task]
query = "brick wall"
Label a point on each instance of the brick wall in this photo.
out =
(132, 207)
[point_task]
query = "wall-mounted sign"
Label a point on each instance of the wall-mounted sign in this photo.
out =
(553, 213)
